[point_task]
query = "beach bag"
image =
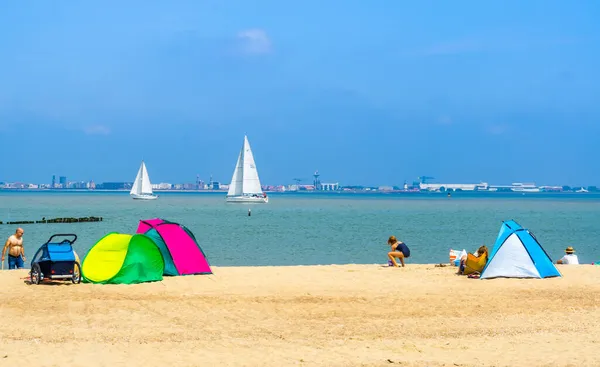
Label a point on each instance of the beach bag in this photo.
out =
(456, 255)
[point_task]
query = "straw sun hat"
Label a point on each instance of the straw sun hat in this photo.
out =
(570, 250)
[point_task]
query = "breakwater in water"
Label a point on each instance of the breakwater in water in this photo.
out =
(56, 220)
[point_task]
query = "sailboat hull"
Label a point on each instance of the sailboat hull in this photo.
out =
(144, 197)
(247, 199)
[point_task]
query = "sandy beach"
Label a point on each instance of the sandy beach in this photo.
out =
(347, 315)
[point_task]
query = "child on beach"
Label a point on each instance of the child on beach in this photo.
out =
(399, 250)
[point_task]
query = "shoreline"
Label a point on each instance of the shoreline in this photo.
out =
(307, 315)
(484, 193)
(411, 266)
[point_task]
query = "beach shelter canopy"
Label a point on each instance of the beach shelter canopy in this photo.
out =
(123, 259)
(518, 254)
(181, 252)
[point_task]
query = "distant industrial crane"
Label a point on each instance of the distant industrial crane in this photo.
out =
(423, 179)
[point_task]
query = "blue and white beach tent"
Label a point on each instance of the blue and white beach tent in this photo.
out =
(518, 254)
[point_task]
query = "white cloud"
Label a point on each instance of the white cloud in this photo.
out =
(97, 130)
(255, 41)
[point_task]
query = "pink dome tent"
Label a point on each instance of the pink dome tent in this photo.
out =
(180, 250)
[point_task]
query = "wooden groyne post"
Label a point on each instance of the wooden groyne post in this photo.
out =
(57, 220)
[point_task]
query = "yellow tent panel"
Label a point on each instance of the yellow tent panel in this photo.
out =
(474, 264)
(123, 259)
(106, 258)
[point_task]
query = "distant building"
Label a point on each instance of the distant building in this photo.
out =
(63, 182)
(199, 184)
(551, 188)
(53, 181)
(78, 185)
(524, 187)
(453, 186)
(162, 186)
(329, 186)
(116, 185)
(516, 187)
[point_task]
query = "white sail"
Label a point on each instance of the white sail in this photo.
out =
(236, 185)
(137, 183)
(245, 184)
(142, 187)
(251, 180)
(146, 185)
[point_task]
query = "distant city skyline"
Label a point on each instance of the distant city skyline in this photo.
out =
(390, 91)
(423, 183)
(305, 180)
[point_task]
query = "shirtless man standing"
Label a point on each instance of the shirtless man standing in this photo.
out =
(16, 253)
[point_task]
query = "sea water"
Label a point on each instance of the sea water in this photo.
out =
(305, 229)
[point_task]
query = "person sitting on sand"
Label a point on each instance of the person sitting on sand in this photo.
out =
(399, 250)
(16, 253)
(570, 258)
(483, 250)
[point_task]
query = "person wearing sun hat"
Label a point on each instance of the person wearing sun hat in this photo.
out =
(570, 258)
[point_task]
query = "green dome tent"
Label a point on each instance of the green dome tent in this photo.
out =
(123, 259)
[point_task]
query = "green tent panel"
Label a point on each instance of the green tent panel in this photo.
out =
(123, 259)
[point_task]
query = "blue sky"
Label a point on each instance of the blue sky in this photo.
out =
(373, 92)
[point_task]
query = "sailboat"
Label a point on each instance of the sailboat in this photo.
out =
(245, 184)
(142, 188)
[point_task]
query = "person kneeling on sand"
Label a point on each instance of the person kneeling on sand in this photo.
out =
(399, 250)
(570, 258)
